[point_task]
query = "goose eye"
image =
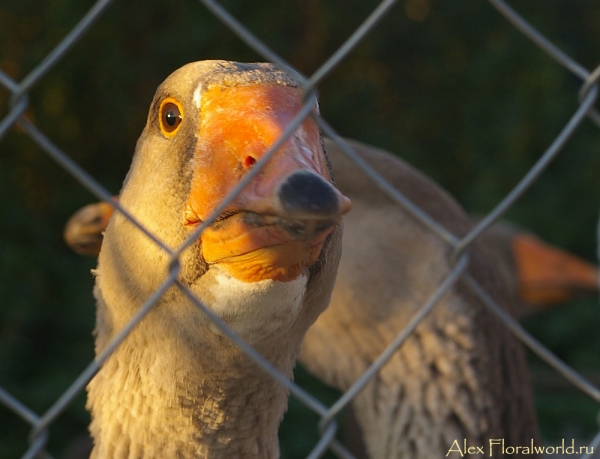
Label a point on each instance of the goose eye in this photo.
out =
(171, 116)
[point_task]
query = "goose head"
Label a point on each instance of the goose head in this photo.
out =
(208, 126)
(264, 263)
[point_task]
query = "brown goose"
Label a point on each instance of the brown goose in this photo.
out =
(177, 386)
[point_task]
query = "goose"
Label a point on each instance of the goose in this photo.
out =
(177, 386)
(460, 381)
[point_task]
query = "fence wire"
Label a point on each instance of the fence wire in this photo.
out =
(20, 100)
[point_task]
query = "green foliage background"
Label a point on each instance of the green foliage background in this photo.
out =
(449, 86)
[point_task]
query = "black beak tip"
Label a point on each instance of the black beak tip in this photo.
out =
(306, 193)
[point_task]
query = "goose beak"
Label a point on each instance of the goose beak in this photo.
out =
(84, 230)
(277, 225)
(548, 275)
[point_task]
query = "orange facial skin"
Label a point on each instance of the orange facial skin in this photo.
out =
(238, 126)
(548, 275)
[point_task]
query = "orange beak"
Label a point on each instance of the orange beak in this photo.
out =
(84, 230)
(548, 275)
(278, 224)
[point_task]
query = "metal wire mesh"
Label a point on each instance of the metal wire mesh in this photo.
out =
(20, 96)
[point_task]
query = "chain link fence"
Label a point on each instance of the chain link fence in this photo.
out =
(21, 92)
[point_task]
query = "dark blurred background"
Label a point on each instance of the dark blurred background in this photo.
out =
(450, 87)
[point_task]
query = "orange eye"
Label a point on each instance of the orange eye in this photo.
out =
(171, 116)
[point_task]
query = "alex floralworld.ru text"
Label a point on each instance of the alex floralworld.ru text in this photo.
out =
(497, 446)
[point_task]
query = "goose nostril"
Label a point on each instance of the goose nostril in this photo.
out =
(249, 161)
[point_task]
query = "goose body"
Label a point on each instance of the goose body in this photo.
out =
(461, 378)
(177, 386)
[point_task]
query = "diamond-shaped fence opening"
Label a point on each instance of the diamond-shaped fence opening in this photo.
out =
(455, 89)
